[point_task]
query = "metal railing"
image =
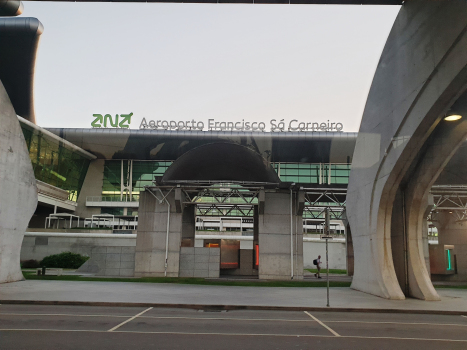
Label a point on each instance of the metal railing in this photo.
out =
(112, 199)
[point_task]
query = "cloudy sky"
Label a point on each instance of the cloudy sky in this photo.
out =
(227, 62)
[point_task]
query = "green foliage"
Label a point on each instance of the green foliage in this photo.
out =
(187, 280)
(331, 271)
(30, 264)
(65, 260)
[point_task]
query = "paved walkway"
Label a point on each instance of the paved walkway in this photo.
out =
(453, 300)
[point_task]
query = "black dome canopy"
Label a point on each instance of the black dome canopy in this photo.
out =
(221, 162)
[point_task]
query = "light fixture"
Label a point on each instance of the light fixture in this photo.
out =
(452, 117)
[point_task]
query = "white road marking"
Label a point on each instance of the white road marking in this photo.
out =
(166, 317)
(225, 318)
(72, 315)
(130, 319)
(322, 324)
(237, 334)
(242, 319)
(404, 323)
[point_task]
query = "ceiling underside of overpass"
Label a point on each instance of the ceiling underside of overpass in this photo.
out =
(311, 2)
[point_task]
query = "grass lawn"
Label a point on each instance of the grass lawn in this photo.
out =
(250, 283)
(331, 271)
(450, 287)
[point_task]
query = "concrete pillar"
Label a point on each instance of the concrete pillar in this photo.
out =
(92, 187)
(255, 234)
(18, 192)
(399, 243)
(439, 149)
(278, 253)
(152, 233)
(426, 250)
(188, 225)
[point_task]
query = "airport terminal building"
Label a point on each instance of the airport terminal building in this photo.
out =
(176, 194)
(99, 175)
(221, 185)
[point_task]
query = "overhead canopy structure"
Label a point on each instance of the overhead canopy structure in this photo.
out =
(299, 2)
(10, 8)
(221, 162)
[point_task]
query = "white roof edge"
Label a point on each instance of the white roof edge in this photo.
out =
(335, 240)
(58, 138)
(80, 235)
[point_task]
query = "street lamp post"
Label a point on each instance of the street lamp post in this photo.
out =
(327, 237)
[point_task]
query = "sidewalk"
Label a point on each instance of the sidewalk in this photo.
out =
(454, 301)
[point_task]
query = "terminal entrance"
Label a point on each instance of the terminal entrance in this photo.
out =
(226, 217)
(233, 191)
(213, 230)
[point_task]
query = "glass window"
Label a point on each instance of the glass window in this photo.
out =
(143, 174)
(308, 173)
(54, 163)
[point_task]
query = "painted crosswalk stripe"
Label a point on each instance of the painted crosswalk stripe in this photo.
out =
(130, 319)
(322, 324)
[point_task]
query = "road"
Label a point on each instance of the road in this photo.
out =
(89, 327)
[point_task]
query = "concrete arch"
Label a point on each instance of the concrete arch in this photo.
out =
(220, 162)
(18, 192)
(19, 40)
(421, 74)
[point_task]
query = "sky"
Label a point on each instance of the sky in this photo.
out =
(226, 62)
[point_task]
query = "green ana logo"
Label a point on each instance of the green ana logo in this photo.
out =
(101, 121)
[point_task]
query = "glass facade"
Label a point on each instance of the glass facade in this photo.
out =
(306, 173)
(141, 173)
(54, 163)
(119, 211)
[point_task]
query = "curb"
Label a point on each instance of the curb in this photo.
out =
(206, 307)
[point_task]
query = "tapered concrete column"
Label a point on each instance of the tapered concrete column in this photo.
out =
(92, 186)
(151, 241)
(421, 74)
(280, 237)
(425, 242)
(18, 192)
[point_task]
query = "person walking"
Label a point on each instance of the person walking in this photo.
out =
(317, 262)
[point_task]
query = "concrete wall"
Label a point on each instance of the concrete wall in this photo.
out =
(421, 73)
(336, 251)
(274, 226)
(114, 254)
(199, 262)
(110, 254)
(152, 233)
(37, 245)
(117, 261)
(18, 192)
(246, 267)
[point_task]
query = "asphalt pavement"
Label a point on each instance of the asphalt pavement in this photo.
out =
(95, 327)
